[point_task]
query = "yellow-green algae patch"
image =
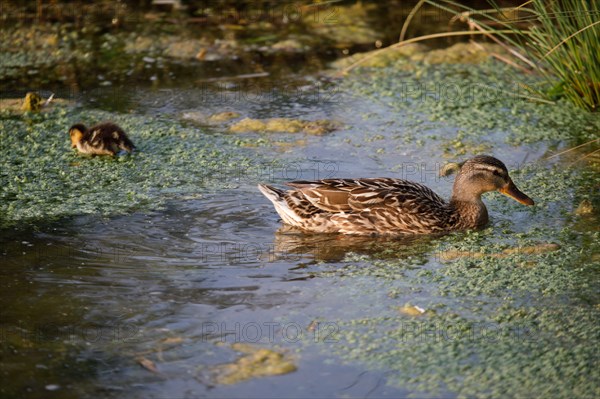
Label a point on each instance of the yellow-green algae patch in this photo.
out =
(256, 362)
(462, 53)
(223, 116)
(285, 125)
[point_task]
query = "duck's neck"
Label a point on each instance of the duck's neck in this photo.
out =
(469, 213)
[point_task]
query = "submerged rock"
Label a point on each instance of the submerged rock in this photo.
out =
(223, 116)
(212, 119)
(289, 46)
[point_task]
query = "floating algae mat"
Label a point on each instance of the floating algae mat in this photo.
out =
(482, 327)
(285, 125)
(42, 177)
(256, 362)
(479, 100)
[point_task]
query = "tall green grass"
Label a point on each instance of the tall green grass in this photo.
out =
(560, 39)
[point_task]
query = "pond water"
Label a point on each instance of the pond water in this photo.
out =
(150, 302)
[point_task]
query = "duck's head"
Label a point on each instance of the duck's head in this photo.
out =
(76, 132)
(481, 174)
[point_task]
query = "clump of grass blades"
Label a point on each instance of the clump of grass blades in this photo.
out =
(561, 42)
(567, 42)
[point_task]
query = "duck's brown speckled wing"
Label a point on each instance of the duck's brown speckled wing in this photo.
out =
(357, 195)
(300, 204)
(331, 195)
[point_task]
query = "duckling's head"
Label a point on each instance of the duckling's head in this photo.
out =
(481, 174)
(76, 132)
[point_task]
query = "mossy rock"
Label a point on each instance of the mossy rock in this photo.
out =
(382, 59)
(461, 53)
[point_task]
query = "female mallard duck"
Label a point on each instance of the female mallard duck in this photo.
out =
(393, 206)
(103, 139)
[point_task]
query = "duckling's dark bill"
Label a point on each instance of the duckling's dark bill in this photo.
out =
(513, 192)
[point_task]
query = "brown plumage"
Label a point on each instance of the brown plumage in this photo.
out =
(103, 139)
(393, 206)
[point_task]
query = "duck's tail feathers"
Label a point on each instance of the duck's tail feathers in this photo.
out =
(272, 193)
(277, 197)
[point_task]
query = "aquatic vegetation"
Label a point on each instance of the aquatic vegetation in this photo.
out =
(42, 178)
(533, 249)
(559, 42)
(256, 362)
(484, 101)
(500, 326)
(285, 125)
(384, 58)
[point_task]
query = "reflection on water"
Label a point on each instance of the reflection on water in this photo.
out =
(294, 244)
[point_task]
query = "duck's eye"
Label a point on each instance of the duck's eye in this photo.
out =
(495, 172)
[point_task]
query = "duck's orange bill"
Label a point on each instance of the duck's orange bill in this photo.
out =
(513, 192)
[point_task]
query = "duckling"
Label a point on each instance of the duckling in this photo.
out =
(103, 139)
(393, 206)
